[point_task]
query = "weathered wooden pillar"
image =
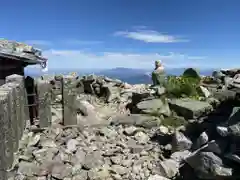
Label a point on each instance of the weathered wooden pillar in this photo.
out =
(44, 103)
(69, 98)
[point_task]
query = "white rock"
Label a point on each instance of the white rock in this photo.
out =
(141, 137)
(72, 145)
(205, 91)
(223, 131)
(202, 139)
(59, 98)
(33, 140)
(130, 130)
(157, 177)
(163, 130)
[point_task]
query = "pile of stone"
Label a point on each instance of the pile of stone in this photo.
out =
(111, 152)
(208, 148)
(140, 143)
(111, 89)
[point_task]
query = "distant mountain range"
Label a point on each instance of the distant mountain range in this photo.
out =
(132, 76)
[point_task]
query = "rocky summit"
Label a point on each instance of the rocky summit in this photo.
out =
(136, 132)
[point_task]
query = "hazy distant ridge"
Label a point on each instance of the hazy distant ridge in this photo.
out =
(133, 76)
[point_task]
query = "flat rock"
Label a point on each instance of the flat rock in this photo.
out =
(154, 106)
(136, 120)
(223, 95)
(119, 169)
(189, 108)
(28, 168)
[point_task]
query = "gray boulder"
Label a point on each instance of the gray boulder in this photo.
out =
(234, 130)
(208, 166)
(223, 95)
(154, 107)
(169, 168)
(222, 131)
(180, 142)
(85, 107)
(110, 92)
(201, 140)
(189, 108)
(234, 117)
(139, 96)
(87, 82)
(231, 72)
(218, 146)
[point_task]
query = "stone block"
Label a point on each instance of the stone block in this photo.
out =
(3, 162)
(6, 128)
(14, 111)
(21, 101)
(69, 98)
(44, 103)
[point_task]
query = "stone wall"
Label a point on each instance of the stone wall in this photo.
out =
(13, 118)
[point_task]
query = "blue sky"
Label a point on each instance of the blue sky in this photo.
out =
(127, 33)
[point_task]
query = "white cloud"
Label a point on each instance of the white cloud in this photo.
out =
(80, 59)
(149, 36)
